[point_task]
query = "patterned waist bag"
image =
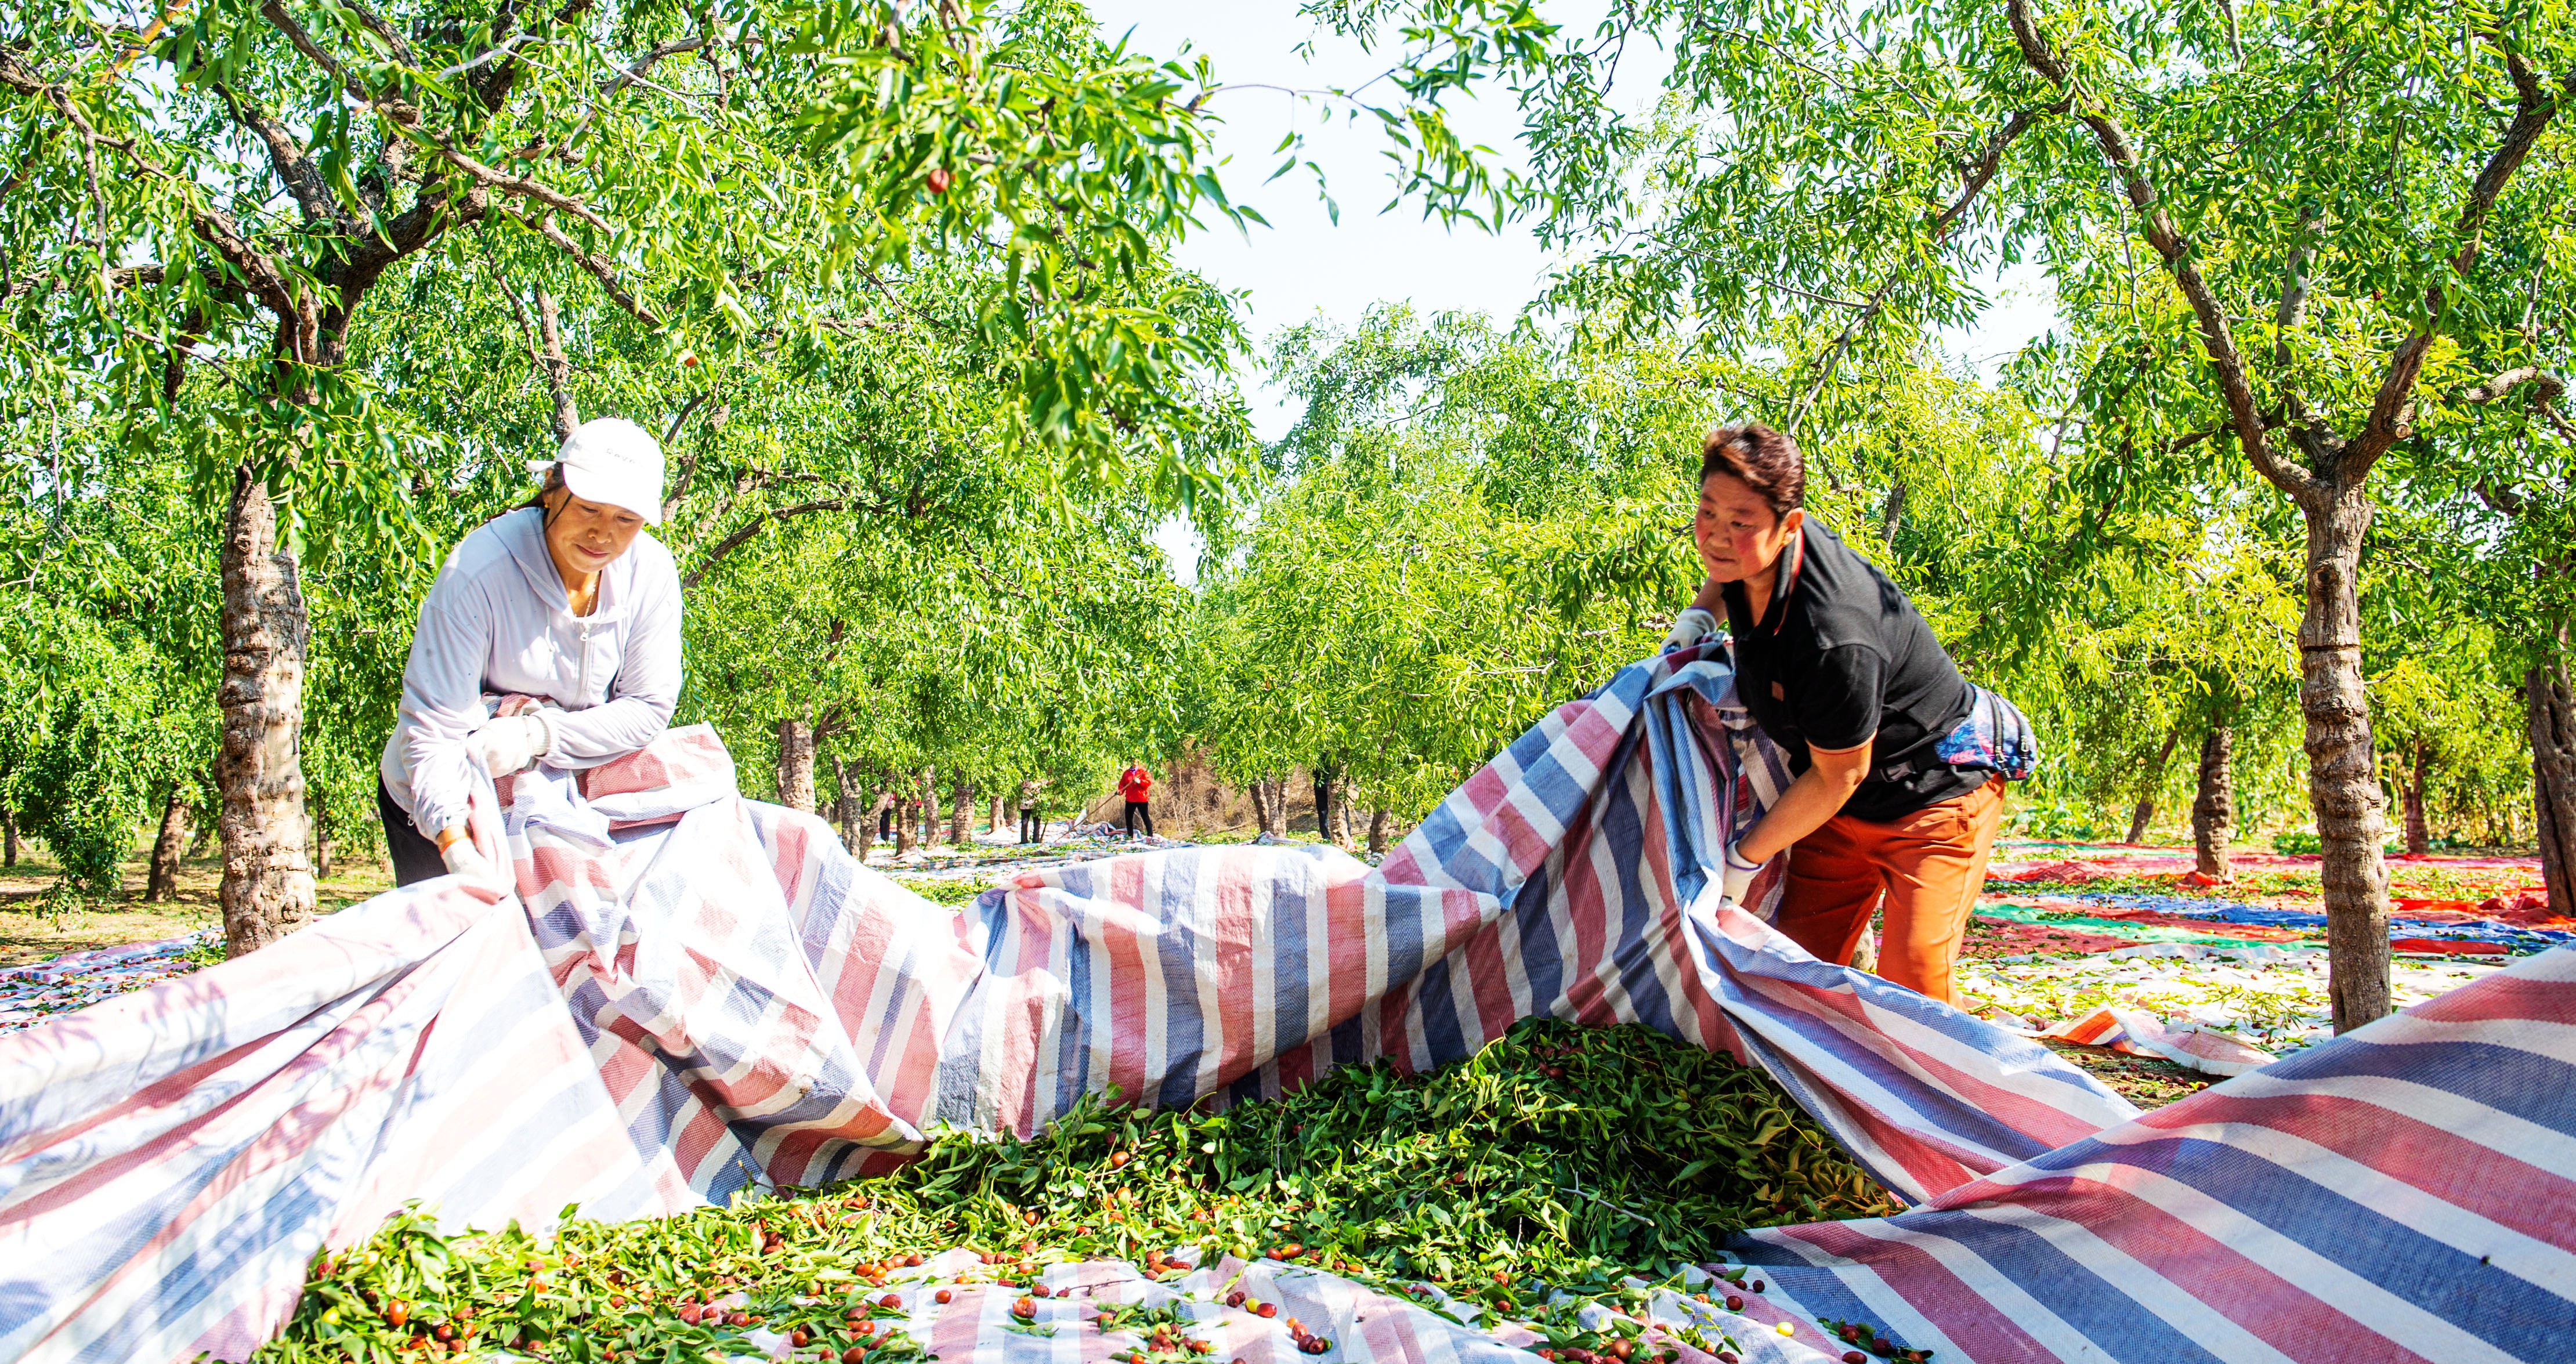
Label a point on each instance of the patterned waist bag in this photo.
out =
(1995, 736)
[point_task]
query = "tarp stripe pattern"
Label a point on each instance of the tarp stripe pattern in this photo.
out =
(693, 995)
(2406, 1191)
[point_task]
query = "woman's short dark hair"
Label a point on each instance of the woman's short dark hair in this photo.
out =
(1766, 460)
(554, 480)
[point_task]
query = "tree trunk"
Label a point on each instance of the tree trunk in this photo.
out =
(961, 812)
(875, 823)
(1342, 817)
(994, 824)
(2146, 810)
(321, 826)
(2343, 787)
(2213, 809)
(1377, 831)
(1279, 806)
(268, 885)
(796, 765)
(2419, 837)
(924, 808)
(1260, 792)
(8, 838)
(163, 883)
(856, 813)
(2551, 704)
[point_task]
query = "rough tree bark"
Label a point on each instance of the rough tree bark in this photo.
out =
(2146, 810)
(846, 811)
(268, 885)
(163, 883)
(2213, 809)
(961, 812)
(1377, 832)
(907, 825)
(2419, 835)
(2551, 709)
(2343, 788)
(8, 838)
(796, 765)
(1260, 793)
(993, 823)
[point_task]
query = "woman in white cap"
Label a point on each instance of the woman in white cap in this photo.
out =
(566, 600)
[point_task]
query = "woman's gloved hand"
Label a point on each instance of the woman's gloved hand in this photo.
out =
(511, 744)
(457, 851)
(1691, 626)
(1738, 875)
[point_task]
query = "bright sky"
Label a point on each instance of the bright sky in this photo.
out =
(1305, 264)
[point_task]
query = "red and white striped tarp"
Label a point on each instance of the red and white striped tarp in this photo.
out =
(695, 994)
(2404, 1193)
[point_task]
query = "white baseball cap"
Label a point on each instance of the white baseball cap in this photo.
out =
(612, 460)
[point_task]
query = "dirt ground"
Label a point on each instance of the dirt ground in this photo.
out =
(2148, 1082)
(30, 931)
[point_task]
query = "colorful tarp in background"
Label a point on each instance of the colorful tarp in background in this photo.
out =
(695, 995)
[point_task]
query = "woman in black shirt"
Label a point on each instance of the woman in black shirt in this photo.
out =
(1898, 760)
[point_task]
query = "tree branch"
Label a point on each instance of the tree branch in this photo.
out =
(263, 279)
(2534, 109)
(598, 269)
(2547, 387)
(2217, 338)
(1977, 176)
(294, 166)
(753, 527)
(634, 72)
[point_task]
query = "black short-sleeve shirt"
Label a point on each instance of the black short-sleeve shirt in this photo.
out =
(1841, 657)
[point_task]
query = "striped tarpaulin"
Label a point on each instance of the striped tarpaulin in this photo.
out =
(2406, 1192)
(693, 995)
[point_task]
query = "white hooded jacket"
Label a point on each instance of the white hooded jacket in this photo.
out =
(497, 621)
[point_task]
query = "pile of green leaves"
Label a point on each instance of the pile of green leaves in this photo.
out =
(1558, 1158)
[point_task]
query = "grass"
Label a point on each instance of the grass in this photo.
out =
(36, 921)
(1559, 1158)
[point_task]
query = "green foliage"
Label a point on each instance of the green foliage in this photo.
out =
(2292, 242)
(1466, 528)
(1559, 1157)
(106, 655)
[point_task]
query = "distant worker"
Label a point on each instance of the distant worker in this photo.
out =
(1137, 785)
(565, 600)
(1032, 814)
(1900, 763)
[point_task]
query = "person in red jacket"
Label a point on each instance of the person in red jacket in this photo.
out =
(1137, 784)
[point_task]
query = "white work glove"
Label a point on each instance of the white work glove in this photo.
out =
(511, 744)
(465, 860)
(1692, 625)
(1736, 876)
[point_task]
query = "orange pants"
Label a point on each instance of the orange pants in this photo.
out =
(1929, 866)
